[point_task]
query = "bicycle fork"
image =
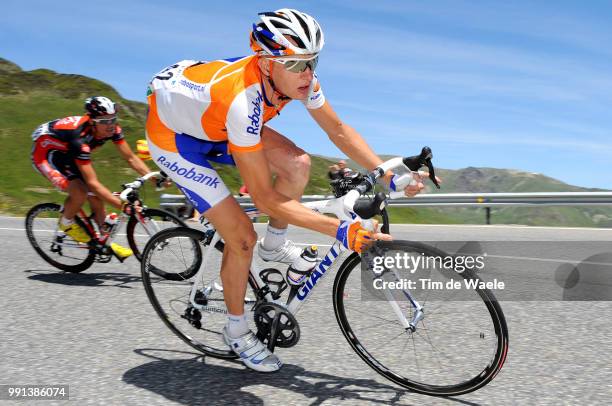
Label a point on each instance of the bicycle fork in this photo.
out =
(419, 314)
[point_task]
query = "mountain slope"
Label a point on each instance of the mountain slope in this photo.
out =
(493, 180)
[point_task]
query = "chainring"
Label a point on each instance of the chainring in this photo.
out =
(276, 326)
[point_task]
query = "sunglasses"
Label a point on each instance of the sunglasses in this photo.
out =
(105, 121)
(298, 65)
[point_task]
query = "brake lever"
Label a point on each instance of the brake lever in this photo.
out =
(432, 174)
(414, 163)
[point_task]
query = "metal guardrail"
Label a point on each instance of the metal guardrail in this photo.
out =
(507, 199)
(484, 200)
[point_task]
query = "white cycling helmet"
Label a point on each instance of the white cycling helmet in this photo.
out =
(268, 36)
(99, 106)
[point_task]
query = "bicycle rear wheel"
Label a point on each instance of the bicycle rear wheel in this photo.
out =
(458, 347)
(153, 221)
(199, 319)
(55, 247)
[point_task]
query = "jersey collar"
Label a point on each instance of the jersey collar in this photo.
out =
(263, 90)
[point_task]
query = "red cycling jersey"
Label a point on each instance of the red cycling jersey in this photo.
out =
(63, 144)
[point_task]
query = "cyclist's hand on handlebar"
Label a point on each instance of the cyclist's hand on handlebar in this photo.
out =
(131, 208)
(411, 185)
(355, 237)
(425, 175)
(162, 182)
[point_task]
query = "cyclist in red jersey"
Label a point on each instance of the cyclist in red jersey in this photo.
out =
(62, 153)
(217, 111)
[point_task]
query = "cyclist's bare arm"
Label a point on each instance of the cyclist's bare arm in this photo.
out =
(346, 138)
(354, 146)
(253, 167)
(136, 163)
(94, 185)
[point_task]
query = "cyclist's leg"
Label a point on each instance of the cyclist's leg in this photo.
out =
(44, 160)
(97, 208)
(239, 236)
(292, 168)
(55, 166)
(78, 191)
(290, 163)
(209, 195)
(77, 196)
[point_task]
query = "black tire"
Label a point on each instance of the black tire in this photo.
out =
(77, 264)
(157, 214)
(498, 342)
(170, 295)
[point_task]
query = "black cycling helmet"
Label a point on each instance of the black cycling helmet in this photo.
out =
(99, 106)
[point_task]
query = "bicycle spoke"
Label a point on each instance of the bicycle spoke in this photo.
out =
(391, 339)
(416, 359)
(429, 340)
(432, 345)
(381, 318)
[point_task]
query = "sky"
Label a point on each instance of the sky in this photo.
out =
(520, 85)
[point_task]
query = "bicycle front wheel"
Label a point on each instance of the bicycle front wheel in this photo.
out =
(190, 302)
(458, 346)
(55, 247)
(151, 221)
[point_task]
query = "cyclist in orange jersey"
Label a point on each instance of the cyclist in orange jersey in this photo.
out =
(202, 112)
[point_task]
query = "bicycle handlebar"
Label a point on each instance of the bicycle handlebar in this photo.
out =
(128, 188)
(412, 164)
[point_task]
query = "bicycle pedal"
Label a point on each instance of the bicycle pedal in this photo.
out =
(103, 259)
(121, 259)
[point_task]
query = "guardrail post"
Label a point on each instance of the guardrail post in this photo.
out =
(488, 214)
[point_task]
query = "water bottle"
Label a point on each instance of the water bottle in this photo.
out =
(110, 221)
(299, 270)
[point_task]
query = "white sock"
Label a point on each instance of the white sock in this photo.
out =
(65, 222)
(237, 325)
(275, 237)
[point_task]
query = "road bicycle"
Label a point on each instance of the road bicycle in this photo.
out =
(61, 251)
(424, 342)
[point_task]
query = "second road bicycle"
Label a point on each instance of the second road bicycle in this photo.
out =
(61, 251)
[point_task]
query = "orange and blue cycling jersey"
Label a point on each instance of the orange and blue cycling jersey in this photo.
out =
(204, 111)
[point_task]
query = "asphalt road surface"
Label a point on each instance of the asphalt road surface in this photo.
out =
(98, 333)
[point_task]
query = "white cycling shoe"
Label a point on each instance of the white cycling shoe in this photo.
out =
(286, 253)
(253, 352)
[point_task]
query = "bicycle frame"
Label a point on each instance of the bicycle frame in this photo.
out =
(95, 232)
(329, 206)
